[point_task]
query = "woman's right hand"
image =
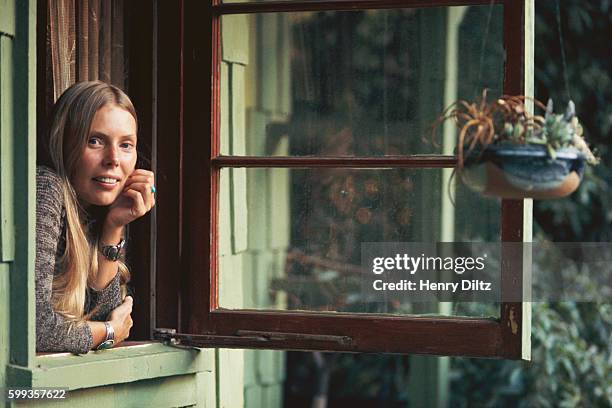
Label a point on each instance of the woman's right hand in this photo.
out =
(136, 199)
(121, 319)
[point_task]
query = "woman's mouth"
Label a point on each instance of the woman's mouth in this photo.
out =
(106, 182)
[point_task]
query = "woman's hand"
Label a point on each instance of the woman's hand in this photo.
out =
(135, 200)
(121, 320)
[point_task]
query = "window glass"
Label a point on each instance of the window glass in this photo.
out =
(352, 83)
(290, 239)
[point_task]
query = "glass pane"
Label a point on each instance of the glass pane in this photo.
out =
(353, 83)
(290, 239)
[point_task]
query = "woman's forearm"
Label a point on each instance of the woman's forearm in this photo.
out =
(98, 332)
(107, 269)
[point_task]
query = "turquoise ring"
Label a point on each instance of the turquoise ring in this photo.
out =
(153, 189)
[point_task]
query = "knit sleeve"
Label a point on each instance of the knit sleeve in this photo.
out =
(105, 300)
(53, 331)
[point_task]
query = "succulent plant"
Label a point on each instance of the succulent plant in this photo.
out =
(507, 121)
(564, 131)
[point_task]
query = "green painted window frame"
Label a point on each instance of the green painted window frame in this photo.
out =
(114, 366)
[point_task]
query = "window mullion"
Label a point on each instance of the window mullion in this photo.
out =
(409, 161)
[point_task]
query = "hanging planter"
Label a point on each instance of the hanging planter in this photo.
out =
(503, 151)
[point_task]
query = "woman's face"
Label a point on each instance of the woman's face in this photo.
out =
(108, 158)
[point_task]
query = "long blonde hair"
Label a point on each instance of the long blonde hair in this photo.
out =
(71, 121)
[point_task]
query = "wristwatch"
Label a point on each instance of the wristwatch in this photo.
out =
(112, 252)
(110, 338)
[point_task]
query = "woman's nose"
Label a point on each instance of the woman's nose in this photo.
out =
(112, 156)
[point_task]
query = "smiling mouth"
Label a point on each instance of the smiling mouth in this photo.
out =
(106, 180)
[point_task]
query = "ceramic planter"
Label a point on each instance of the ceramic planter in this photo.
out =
(523, 171)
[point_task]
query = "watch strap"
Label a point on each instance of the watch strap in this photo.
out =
(113, 252)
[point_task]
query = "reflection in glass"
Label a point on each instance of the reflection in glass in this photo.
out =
(292, 237)
(351, 83)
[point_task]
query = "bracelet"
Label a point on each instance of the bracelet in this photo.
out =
(110, 337)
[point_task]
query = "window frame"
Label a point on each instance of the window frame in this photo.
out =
(141, 27)
(24, 368)
(506, 337)
(132, 360)
(156, 28)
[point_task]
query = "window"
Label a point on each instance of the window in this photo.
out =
(93, 40)
(224, 177)
(217, 162)
(24, 31)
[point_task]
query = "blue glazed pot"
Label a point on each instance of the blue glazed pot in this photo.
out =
(523, 171)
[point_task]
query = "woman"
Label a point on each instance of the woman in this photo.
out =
(83, 203)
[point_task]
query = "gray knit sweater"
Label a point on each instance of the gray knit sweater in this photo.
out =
(53, 331)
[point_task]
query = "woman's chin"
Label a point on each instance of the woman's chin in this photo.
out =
(101, 200)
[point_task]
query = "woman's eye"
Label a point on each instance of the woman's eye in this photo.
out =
(94, 141)
(126, 145)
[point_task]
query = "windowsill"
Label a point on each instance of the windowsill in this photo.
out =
(122, 364)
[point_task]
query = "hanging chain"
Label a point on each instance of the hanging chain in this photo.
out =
(485, 37)
(561, 46)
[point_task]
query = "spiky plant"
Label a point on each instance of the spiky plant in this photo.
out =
(507, 121)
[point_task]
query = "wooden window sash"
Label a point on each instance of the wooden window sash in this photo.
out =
(200, 315)
(219, 8)
(408, 161)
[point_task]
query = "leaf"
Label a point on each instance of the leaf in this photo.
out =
(551, 151)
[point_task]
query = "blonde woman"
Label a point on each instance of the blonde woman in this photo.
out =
(86, 196)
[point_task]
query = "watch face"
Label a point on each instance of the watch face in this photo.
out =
(106, 344)
(112, 252)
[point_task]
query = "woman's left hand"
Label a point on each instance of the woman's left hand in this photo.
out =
(136, 199)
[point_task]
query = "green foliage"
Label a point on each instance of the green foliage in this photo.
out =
(571, 356)
(586, 30)
(570, 364)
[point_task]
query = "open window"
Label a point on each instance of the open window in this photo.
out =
(25, 34)
(285, 134)
(298, 121)
(132, 44)
(111, 41)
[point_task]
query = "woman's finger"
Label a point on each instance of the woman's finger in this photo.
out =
(126, 304)
(143, 171)
(138, 206)
(140, 178)
(125, 309)
(143, 175)
(145, 191)
(144, 186)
